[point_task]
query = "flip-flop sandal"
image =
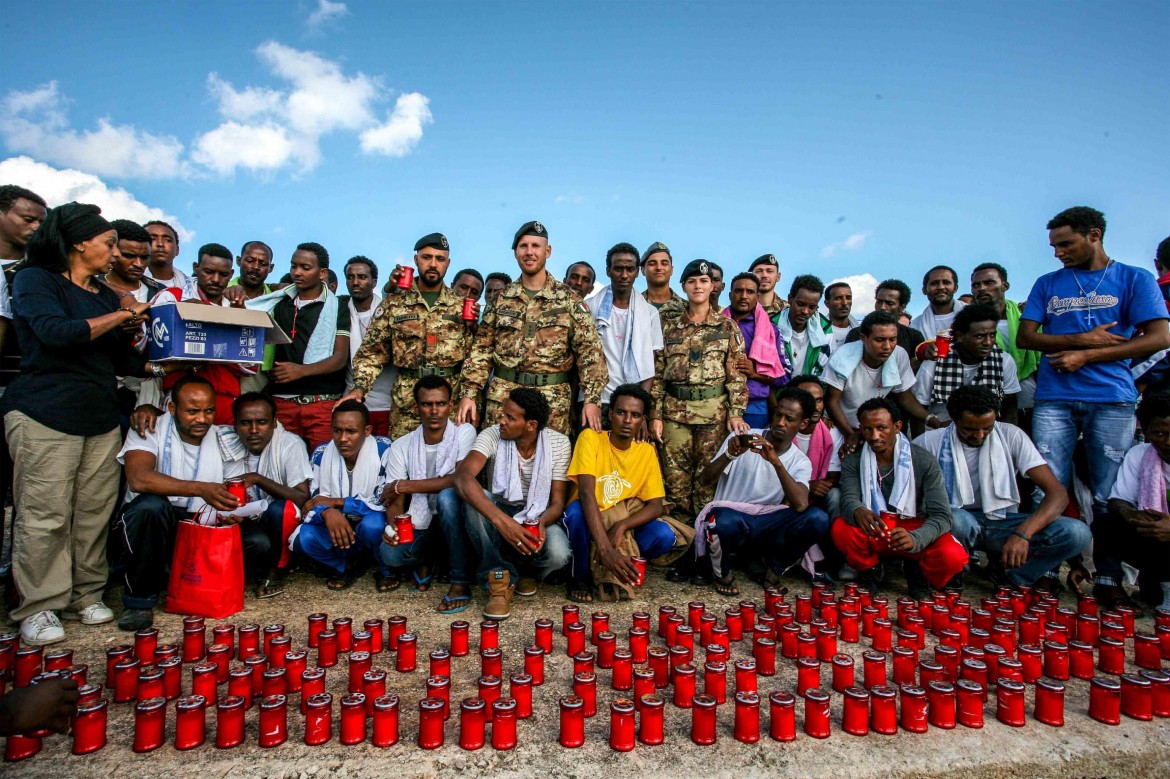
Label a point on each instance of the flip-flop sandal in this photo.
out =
(579, 592)
(421, 583)
(269, 588)
(384, 584)
(726, 586)
(463, 600)
(339, 583)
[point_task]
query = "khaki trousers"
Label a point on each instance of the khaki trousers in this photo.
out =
(64, 490)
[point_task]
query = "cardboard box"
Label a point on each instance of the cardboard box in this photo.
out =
(198, 332)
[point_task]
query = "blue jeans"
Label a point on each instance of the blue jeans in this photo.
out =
(756, 414)
(654, 539)
(449, 515)
(1108, 432)
(314, 542)
(782, 536)
(485, 539)
(1060, 540)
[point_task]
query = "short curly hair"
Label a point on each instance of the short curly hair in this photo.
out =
(533, 404)
(1081, 219)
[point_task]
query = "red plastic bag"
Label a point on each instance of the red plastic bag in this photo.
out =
(207, 571)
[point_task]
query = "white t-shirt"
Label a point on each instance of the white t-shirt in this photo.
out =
(614, 337)
(802, 441)
(396, 463)
(752, 479)
(925, 384)
(838, 337)
(863, 383)
(835, 457)
(185, 460)
(1127, 486)
(931, 324)
(561, 455)
(798, 345)
(290, 467)
(180, 280)
(1021, 450)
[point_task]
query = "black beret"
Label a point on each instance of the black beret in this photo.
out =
(765, 259)
(657, 246)
(696, 268)
(529, 228)
(434, 240)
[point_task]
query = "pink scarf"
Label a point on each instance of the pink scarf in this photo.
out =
(1151, 485)
(764, 351)
(820, 451)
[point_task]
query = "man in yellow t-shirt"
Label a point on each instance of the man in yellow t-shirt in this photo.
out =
(619, 497)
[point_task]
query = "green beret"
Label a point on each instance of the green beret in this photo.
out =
(434, 240)
(529, 228)
(696, 268)
(657, 246)
(764, 259)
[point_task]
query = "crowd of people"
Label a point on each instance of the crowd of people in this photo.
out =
(564, 432)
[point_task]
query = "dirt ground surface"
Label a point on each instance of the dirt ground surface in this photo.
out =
(1082, 748)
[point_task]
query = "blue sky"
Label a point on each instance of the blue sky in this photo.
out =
(846, 138)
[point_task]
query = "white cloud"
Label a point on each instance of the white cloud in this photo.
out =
(573, 198)
(36, 122)
(327, 11)
(850, 244)
(864, 286)
(263, 129)
(403, 128)
(59, 186)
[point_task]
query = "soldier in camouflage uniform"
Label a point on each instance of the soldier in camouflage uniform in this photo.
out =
(420, 331)
(767, 270)
(699, 393)
(532, 336)
(658, 292)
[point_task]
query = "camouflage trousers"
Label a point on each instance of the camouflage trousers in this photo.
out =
(403, 411)
(687, 449)
(559, 397)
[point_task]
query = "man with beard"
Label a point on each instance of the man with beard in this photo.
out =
(767, 270)
(419, 331)
(1097, 317)
(989, 283)
(657, 265)
(974, 359)
(580, 277)
(763, 364)
(534, 336)
(255, 263)
(807, 348)
(839, 301)
(894, 503)
(361, 279)
(939, 285)
(627, 325)
(171, 475)
(164, 248)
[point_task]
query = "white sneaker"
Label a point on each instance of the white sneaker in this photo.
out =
(93, 614)
(41, 628)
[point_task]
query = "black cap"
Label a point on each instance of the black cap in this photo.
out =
(434, 240)
(764, 259)
(695, 268)
(657, 246)
(529, 228)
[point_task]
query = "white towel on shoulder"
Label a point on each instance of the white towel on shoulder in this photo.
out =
(506, 477)
(903, 495)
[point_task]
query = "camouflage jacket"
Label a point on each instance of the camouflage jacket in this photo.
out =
(405, 333)
(550, 332)
(699, 354)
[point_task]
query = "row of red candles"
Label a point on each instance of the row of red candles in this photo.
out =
(1139, 696)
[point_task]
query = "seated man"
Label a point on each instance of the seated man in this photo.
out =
(761, 498)
(172, 472)
(275, 468)
(1025, 549)
(620, 492)
(517, 519)
(344, 520)
(820, 442)
(889, 475)
(1137, 528)
(974, 360)
(420, 481)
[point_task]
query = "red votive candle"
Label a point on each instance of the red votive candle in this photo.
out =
(622, 663)
(353, 718)
(883, 715)
(816, 713)
(440, 687)
(571, 615)
(377, 630)
(1105, 700)
(747, 717)
(430, 723)
(575, 639)
(543, 637)
(1137, 697)
(659, 661)
(407, 653)
(150, 720)
(312, 683)
(89, 726)
(229, 722)
(318, 719)
(273, 721)
(782, 711)
(684, 686)
(808, 674)
(913, 718)
(534, 664)
(621, 725)
(855, 713)
(703, 720)
(459, 638)
(471, 723)
(385, 721)
(572, 731)
(373, 687)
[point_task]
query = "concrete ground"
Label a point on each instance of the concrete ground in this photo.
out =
(1082, 748)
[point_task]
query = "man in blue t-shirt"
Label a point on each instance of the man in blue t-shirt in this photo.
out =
(1097, 315)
